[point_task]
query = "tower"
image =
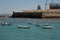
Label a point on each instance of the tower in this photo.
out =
(46, 3)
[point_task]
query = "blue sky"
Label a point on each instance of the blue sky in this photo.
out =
(8, 6)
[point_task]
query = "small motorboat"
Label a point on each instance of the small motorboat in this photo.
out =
(38, 25)
(47, 26)
(32, 23)
(5, 24)
(24, 27)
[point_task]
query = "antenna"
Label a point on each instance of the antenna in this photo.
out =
(46, 4)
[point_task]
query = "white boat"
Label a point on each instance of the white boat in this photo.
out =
(25, 27)
(47, 27)
(5, 24)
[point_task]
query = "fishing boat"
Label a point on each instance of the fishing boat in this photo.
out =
(6, 24)
(24, 27)
(47, 27)
(30, 23)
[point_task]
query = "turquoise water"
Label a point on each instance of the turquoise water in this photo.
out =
(34, 33)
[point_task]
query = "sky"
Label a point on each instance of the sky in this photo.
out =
(8, 6)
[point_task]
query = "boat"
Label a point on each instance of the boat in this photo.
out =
(47, 27)
(32, 23)
(38, 25)
(6, 24)
(24, 27)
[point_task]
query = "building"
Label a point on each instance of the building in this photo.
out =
(54, 6)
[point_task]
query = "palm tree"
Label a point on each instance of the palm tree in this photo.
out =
(38, 7)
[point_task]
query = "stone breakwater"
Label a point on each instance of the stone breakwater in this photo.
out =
(27, 15)
(37, 14)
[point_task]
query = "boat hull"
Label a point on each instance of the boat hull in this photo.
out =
(24, 27)
(47, 27)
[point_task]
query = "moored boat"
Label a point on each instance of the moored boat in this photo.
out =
(6, 24)
(24, 27)
(47, 26)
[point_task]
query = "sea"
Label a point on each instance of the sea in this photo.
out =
(12, 32)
